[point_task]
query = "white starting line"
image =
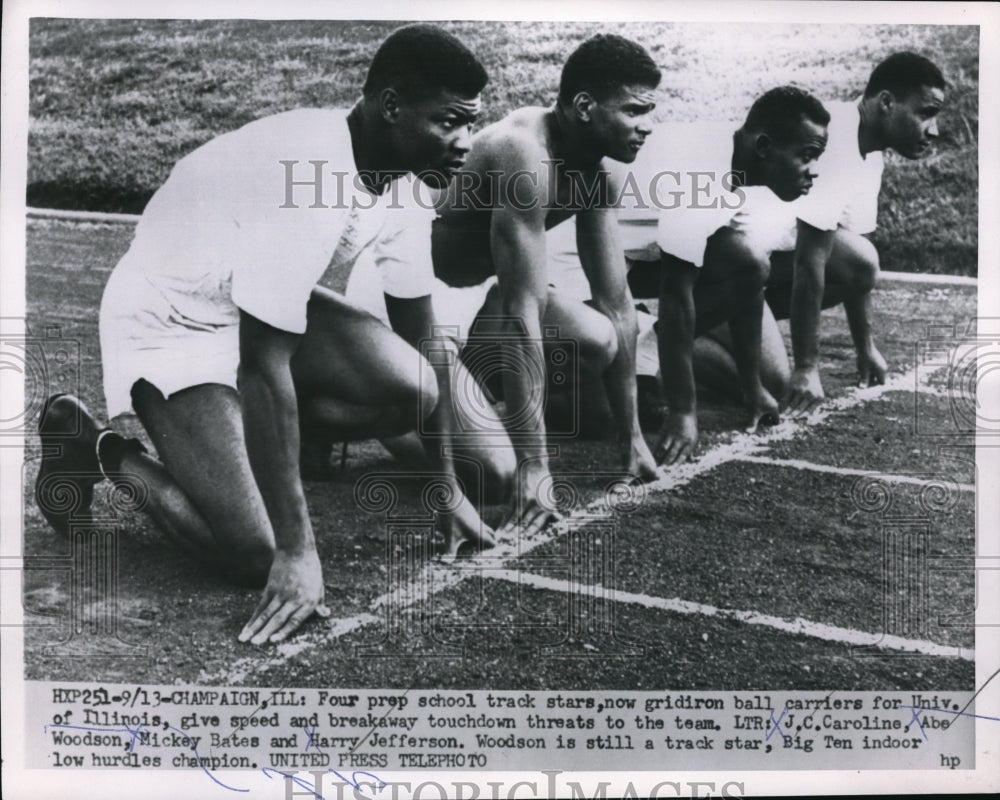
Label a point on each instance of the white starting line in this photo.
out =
(803, 627)
(889, 477)
(437, 577)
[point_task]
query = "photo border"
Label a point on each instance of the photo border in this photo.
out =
(19, 782)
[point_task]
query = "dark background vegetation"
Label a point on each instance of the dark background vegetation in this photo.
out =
(115, 103)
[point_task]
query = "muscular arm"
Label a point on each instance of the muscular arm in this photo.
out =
(270, 418)
(413, 320)
(750, 268)
(517, 241)
(517, 245)
(603, 261)
(812, 251)
(676, 332)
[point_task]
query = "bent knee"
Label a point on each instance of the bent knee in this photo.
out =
(774, 376)
(868, 270)
(609, 344)
(500, 477)
(751, 272)
(425, 393)
(864, 269)
(857, 264)
(601, 345)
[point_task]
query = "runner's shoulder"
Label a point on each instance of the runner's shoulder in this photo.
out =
(518, 140)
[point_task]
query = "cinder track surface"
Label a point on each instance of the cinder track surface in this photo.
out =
(772, 561)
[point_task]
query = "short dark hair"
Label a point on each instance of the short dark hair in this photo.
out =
(904, 73)
(419, 60)
(779, 111)
(603, 64)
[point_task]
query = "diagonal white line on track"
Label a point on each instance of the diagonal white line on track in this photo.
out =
(438, 577)
(277, 655)
(858, 473)
(798, 625)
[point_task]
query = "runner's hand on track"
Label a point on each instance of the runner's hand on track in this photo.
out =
(531, 506)
(294, 591)
(804, 393)
(678, 438)
(871, 368)
(639, 462)
(763, 410)
(464, 525)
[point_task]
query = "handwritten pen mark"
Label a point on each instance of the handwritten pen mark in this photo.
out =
(134, 733)
(957, 713)
(960, 713)
(261, 707)
(197, 756)
(354, 783)
(295, 779)
(974, 696)
(915, 713)
(137, 733)
(776, 722)
(310, 733)
(371, 730)
(378, 786)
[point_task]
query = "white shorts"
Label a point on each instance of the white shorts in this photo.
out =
(783, 240)
(455, 307)
(144, 336)
(647, 350)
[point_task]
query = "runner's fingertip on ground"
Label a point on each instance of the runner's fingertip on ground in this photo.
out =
(291, 625)
(275, 622)
(257, 621)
